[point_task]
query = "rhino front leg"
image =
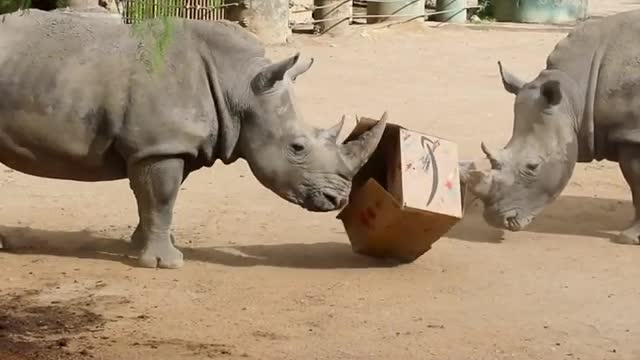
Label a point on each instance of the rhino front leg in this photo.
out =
(155, 184)
(629, 160)
(138, 240)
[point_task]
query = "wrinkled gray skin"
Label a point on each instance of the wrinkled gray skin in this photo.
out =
(584, 106)
(77, 104)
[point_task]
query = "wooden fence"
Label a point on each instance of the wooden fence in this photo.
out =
(137, 10)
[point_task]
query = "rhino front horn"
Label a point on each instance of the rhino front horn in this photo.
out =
(357, 152)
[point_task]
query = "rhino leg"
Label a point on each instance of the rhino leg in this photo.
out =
(138, 240)
(155, 184)
(629, 160)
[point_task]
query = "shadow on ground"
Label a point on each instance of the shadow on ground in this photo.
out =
(84, 244)
(568, 215)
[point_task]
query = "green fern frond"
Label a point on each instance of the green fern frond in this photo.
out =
(155, 36)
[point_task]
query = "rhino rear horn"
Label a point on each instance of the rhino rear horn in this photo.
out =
(490, 154)
(333, 132)
(510, 82)
(357, 152)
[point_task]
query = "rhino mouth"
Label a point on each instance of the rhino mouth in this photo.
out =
(317, 201)
(511, 220)
(324, 201)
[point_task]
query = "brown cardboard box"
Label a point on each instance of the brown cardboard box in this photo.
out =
(406, 196)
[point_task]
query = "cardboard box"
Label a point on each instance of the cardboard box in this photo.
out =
(405, 197)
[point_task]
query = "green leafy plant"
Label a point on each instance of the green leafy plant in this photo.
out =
(155, 36)
(9, 6)
(486, 9)
(152, 22)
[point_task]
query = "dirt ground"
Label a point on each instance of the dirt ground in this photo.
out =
(266, 280)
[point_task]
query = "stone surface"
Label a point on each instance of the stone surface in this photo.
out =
(269, 20)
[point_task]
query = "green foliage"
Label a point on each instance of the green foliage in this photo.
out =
(152, 23)
(9, 6)
(486, 9)
(155, 36)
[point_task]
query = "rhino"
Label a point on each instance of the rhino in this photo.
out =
(80, 100)
(583, 107)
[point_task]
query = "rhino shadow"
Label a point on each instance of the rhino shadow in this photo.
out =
(569, 215)
(88, 245)
(79, 244)
(323, 255)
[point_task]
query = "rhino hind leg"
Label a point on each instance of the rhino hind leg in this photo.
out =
(629, 160)
(155, 184)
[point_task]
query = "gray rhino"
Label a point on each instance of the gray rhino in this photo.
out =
(79, 101)
(585, 106)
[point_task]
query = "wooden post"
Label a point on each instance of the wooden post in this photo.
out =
(268, 19)
(335, 16)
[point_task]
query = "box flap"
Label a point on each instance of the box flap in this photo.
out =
(377, 166)
(369, 214)
(363, 124)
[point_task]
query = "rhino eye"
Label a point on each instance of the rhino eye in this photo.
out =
(297, 147)
(532, 167)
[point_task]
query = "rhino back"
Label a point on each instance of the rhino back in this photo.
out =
(596, 55)
(77, 99)
(60, 104)
(617, 104)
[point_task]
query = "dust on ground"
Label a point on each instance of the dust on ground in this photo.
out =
(266, 280)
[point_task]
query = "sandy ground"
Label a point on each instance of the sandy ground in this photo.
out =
(266, 280)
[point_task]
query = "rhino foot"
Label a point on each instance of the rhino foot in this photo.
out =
(631, 236)
(161, 254)
(138, 241)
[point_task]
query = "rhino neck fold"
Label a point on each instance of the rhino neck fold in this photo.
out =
(228, 85)
(583, 82)
(587, 149)
(229, 55)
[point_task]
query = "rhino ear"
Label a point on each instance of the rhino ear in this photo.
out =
(510, 82)
(268, 76)
(300, 68)
(551, 92)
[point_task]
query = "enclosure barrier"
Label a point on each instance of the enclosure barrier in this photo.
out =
(134, 11)
(267, 19)
(323, 23)
(270, 19)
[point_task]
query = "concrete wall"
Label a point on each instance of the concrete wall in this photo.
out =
(300, 5)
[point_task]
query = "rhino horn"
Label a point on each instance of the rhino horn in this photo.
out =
(356, 153)
(491, 155)
(465, 167)
(478, 182)
(476, 177)
(510, 82)
(333, 132)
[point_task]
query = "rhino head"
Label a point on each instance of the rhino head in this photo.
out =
(537, 162)
(300, 163)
